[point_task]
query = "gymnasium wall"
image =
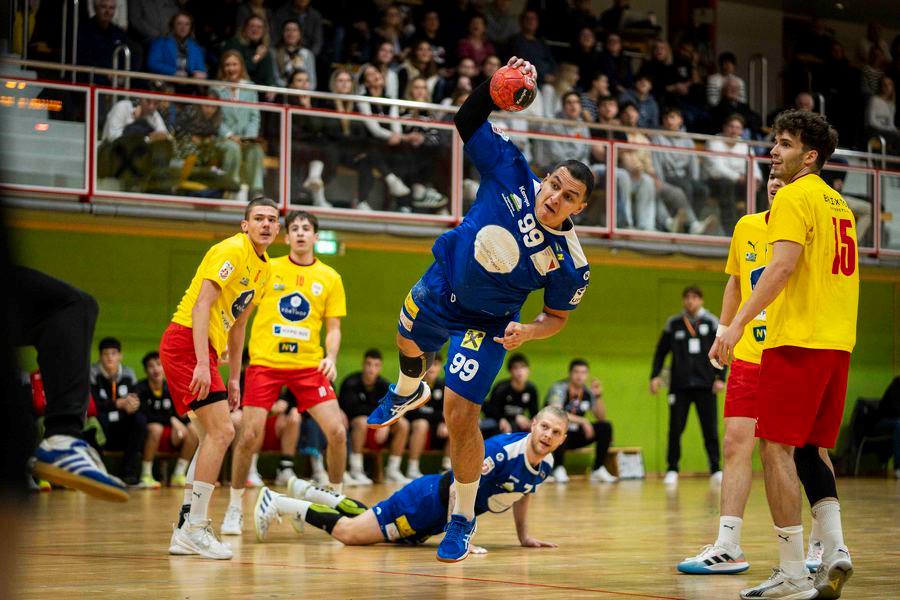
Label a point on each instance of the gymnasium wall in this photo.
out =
(138, 272)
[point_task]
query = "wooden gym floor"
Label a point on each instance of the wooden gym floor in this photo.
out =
(616, 541)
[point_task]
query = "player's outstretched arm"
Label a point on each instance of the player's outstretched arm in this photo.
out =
(479, 105)
(209, 293)
(547, 324)
(520, 515)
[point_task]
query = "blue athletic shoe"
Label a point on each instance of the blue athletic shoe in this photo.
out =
(455, 545)
(715, 560)
(392, 407)
(73, 463)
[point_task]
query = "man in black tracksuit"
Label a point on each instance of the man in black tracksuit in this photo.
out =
(689, 336)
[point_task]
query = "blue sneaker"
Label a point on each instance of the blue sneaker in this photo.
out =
(73, 463)
(715, 560)
(455, 545)
(392, 406)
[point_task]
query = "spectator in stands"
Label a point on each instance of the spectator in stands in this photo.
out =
(553, 151)
(586, 57)
(637, 190)
(476, 45)
(426, 146)
(466, 72)
(419, 63)
(441, 49)
(575, 397)
(243, 154)
(197, 139)
(730, 104)
(727, 171)
(98, 38)
(727, 72)
(308, 153)
(873, 71)
(164, 429)
(150, 19)
(590, 99)
(660, 67)
(502, 22)
(562, 82)
(881, 113)
(138, 117)
(290, 55)
(120, 18)
(527, 45)
(888, 419)
(358, 396)
(427, 426)
(177, 53)
(384, 62)
(640, 95)
(583, 17)
(839, 83)
(490, 66)
(253, 45)
(616, 65)
(682, 170)
(310, 21)
(613, 18)
(874, 33)
(392, 29)
(249, 8)
(513, 402)
(125, 427)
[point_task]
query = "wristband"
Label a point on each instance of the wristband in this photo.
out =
(721, 329)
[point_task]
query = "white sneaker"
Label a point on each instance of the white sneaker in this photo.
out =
(314, 184)
(413, 474)
(364, 206)
(779, 586)
(716, 478)
(349, 479)
(174, 548)
(318, 197)
(321, 478)
(833, 574)
(264, 512)
(395, 476)
(603, 475)
(715, 560)
(200, 539)
(814, 556)
(233, 523)
(254, 480)
(284, 476)
(671, 478)
(560, 475)
(360, 478)
(396, 186)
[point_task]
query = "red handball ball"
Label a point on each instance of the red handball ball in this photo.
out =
(511, 90)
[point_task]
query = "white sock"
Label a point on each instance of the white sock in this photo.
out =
(729, 531)
(188, 487)
(291, 506)
(445, 463)
(315, 169)
(181, 466)
(418, 191)
(237, 498)
(393, 463)
(815, 532)
(406, 385)
(356, 462)
(317, 464)
(337, 487)
(465, 499)
(146, 468)
(253, 460)
(828, 515)
(200, 497)
(412, 466)
(790, 550)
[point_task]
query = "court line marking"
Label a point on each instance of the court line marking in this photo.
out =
(570, 588)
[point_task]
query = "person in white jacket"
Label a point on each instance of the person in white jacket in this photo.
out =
(727, 171)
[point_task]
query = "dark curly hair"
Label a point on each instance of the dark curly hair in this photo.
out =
(813, 131)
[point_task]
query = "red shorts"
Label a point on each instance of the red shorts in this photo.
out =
(371, 444)
(176, 351)
(262, 385)
(801, 395)
(165, 441)
(271, 443)
(740, 395)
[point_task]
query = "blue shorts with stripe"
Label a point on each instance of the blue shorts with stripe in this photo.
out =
(413, 513)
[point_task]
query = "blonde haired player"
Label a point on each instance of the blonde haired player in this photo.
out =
(210, 319)
(285, 350)
(806, 360)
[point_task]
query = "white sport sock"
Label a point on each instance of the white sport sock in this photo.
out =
(465, 498)
(406, 385)
(146, 468)
(815, 532)
(337, 487)
(291, 506)
(317, 496)
(181, 466)
(317, 464)
(188, 487)
(729, 531)
(236, 499)
(445, 463)
(315, 169)
(200, 497)
(828, 515)
(790, 550)
(356, 462)
(412, 466)
(393, 463)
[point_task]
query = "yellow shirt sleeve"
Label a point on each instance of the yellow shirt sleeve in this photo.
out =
(222, 264)
(733, 264)
(790, 219)
(336, 304)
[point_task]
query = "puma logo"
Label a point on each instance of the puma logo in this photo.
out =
(752, 245)
(731, 527)
(197, 494)
(786, 538)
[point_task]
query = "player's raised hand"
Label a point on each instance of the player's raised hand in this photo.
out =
(515, 335)
(327, 368)
(234, 394)
(531, 542)
(523, 65)
(200, 381)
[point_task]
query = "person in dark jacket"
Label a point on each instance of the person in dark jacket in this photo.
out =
(688, 337)
(889, 419)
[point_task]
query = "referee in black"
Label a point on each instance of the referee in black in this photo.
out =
(689, 336)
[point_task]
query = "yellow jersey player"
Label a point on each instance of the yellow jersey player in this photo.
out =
(806, 357)
(302, 295)
(210, 320)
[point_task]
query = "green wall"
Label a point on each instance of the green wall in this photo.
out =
(139, 280)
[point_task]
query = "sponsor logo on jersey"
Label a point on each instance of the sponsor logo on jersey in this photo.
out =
(294, 307)
(759, 333)
(406, 321)
(278, 287)
(245, 281)
(545, 261)
(559, 251)
(291, 331)
(411, 307)
(226, 270)
(500, 132)
(750, 256)
(472, 340)
(317, 288)
(241, 303)
(499, 456)
(404, 527)
(578, 295)
(288, 347)
(524, 195)
(487, 466)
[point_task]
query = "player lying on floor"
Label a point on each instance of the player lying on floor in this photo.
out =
(515, 464)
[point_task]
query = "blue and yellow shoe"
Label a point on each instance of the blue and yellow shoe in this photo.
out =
(68, 461)
(457, 534)
(392, 407)
(715, 560)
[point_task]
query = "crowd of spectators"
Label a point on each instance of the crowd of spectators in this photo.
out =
(437, 51)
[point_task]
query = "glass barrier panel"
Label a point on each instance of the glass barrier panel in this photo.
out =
(44, 142)
(857, 187)
(194, 149)
(346, 161)
(890, 212)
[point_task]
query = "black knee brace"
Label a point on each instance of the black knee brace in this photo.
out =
(817, 478)
(416, 366)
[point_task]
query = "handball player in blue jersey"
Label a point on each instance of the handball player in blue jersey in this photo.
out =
(517, 237)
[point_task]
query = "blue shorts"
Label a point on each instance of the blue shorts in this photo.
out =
(413, 513)
(431, 315)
